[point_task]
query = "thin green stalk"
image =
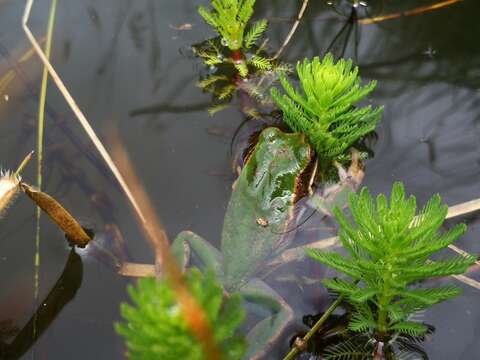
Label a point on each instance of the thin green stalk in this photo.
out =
(24, 163)
(383, 302)
(41, 118)
(296, 349)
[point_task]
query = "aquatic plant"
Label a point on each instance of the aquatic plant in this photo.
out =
(230, 18)
(155, 329)
(252, 73)
(389, 247)
(324, 109)
(234, 56)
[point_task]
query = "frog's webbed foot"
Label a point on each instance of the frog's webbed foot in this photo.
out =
(267, 331)
(342, 173)
(187, 243)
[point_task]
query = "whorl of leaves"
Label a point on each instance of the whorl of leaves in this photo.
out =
(324, 106)
(230, 18)
(389, 248)
(155, 329)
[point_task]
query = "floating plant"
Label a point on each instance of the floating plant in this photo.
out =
(230, 19)
(324, 109)
(234, 56)
(389, 248)
(155, 328)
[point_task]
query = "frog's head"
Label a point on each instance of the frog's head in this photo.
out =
(279, 169)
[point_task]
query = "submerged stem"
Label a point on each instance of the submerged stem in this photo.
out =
(296, 349)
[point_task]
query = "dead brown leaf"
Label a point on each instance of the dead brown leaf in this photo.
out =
(58, 214)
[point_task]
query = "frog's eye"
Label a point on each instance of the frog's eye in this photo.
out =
(269, 134)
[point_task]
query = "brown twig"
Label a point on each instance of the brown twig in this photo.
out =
(76, 110)
(292, 30)
(416, 11)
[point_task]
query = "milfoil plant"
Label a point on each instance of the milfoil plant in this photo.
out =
(155, 329)
(230, 19)
(324, 107)
(235, 58)
(389, 247)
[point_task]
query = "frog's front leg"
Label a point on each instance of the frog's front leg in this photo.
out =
(208, 255)
(279, 314)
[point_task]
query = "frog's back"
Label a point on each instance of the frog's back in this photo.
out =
(261, 205)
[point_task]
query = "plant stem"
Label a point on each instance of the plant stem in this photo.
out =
(41, 118)
(382, 306)
(292, 30)
(237, 55)
(296, 350)
(24, 163)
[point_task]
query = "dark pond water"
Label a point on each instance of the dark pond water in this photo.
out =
(127, 65)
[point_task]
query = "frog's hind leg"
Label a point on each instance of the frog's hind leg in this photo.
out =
(267, 331)
(208, 255)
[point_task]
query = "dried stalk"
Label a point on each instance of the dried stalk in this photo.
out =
(416, 11)
(76, 110)
(292, 30)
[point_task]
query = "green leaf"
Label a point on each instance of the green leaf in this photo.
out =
(154, 327)
(348, 350)
(229, 18)
(242, 68)
(260, 63)
(409, 327)
(431, 296)
(337, 262)
(254, 33)
(327, 98)
(211, 80)
(389, 249)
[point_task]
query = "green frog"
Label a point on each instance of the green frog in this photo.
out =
(278, 171)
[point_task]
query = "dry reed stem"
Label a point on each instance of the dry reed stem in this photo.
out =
(467, 281)
(136, 270)
(192, 312)
(76, 110)
(416, 11)
(292, 30)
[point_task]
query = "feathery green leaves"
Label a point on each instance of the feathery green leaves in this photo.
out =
(324, 106)
(254, 33)
(230, 18)
(389, 248)
(155, 329)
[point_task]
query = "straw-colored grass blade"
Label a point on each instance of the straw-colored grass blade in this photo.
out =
(59, 215)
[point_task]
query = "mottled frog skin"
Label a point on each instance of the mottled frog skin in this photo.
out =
(276, 174)
(261, 206)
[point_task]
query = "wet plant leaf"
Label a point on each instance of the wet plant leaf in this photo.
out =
(58, 214)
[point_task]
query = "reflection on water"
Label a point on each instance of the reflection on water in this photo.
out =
(127, 63)
(60, 295)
